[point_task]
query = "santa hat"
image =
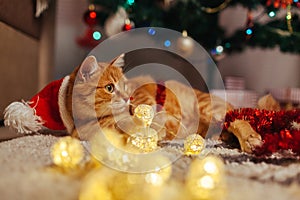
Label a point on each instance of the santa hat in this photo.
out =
(47, 109)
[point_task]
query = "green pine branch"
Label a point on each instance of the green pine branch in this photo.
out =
(191, 15)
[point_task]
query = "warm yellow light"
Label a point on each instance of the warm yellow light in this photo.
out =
(95, 191)
(184, 33)
(193, 144)
(144, 137)
(91, 7)
(96, 185)
(213, 165)
(144, 140)
(137, 186)
(154, 179)
(64, 153)
(206, 182)
(144, 113)
(67, 152)
(210, 167)
(206, 178)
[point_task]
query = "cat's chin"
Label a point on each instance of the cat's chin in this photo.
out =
(118, 109)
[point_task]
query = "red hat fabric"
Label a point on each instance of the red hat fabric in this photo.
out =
(46, 109)
(46, 106)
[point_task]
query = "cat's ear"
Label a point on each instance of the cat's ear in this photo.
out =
(118, 61)
(88, 67)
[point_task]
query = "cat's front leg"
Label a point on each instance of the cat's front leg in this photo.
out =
(248, 138)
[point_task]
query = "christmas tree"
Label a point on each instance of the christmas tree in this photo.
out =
(200, 20)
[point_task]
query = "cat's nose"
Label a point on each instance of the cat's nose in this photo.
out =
(128, 99)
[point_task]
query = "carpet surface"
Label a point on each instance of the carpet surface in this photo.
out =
(24, 175)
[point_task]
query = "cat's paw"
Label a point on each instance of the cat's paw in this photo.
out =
(251, 142)
(248, 138)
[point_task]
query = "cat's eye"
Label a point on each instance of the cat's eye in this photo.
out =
(110, 88)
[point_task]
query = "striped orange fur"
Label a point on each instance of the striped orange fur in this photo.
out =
(90, 89)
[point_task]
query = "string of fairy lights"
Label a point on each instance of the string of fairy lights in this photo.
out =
(105, 174)
(199, 20)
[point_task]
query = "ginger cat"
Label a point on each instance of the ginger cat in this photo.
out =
(98, 94)
(101, 91)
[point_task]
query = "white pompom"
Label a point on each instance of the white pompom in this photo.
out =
(22, 118)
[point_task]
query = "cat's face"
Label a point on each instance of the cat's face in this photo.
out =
(100, 88)
(111, 94)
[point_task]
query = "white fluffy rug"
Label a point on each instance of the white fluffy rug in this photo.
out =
(24, 175)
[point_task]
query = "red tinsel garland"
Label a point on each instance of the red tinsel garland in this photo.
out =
(276, 128)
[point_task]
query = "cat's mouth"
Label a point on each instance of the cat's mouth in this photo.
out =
(119, 107)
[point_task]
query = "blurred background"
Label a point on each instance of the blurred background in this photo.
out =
(255, 44)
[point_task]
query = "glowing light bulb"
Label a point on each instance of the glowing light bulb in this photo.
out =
(272, 14)
(167, 43)
(144, 137)
(67, 152)
(144, 140)
(211, 167)
(151, 31)
(91, 7)
(144, 113)
(97, 35)
(193, 144)
(219, 49)
(154, 179)
(205, 179)
(206, 182)
(93, 14)
(249, 31)
(227, 45)
(130, 2)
